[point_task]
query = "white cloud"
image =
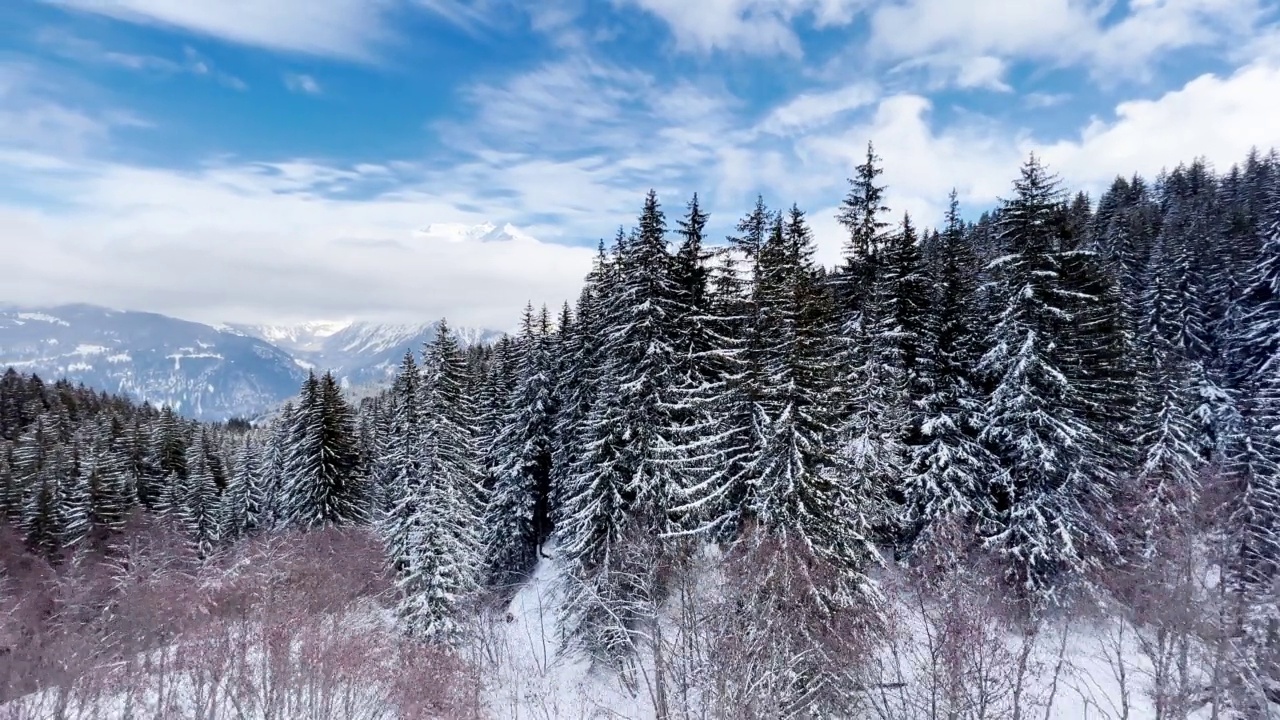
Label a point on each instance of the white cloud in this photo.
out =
(471, 15)
(810, 110)
(343, 28)
(1066, 32)
(983, 71)
(83, 50)
(302, 83)
(34, 119)
(590, 137)
(264, 243)
(1219, 118)
(1040, 100)
(748, 26)
(565, 151)
(349, 29)
(972, 43)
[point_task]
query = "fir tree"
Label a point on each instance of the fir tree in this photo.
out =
(74, 496)
(518, 517)
(112, 493)
(1253, 462)
(948, 471)
(326, 483)
(718, 497)
(860, 214)
(905, 297)
(244, 502)
(630, 467)
(403, 465)
(1167, 482)
(798, 489)
(10, 490)
(198, 499)
(442, 563)
(1046, 530)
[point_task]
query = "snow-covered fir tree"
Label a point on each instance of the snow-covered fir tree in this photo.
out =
(872, 388)
(1047, 530)
(403, 464)
(946, 479)
(1252, 554)
(326, 484)
(111, 490)
(198, 498)
(517, 520)
(1168, 459)
(74, 495)
(800, 491)
(244, 500)
(630, 467)
(721, 456)
(442, 559)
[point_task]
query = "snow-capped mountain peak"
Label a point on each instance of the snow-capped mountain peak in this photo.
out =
(304, 337)
(198, 370)
(462, 232)
(203, 371)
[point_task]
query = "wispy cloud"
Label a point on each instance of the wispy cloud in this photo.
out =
(1064, 32)
(1041, 100)
(346, 29)
(301, 83)
(196, 64)
(84, 50)
(971, 43)
(763, 27)
(36, 116)
(810, 110)
(339, 28)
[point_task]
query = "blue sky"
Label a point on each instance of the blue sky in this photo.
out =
(280, 160)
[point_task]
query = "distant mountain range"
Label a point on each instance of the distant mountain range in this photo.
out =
(357, 352)
(203, 372)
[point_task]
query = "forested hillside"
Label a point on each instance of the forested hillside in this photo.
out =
(1076, 399)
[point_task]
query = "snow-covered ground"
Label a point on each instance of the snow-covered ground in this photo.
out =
(1075, 670)
(346, 667)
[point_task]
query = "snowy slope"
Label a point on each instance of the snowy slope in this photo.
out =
(303, 337)
(1072, 670)
(461, 232)
(1075, 669)
(208, 373)
(359, 353)
(200, 371)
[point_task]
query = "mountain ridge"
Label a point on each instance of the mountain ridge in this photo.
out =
(203, 371)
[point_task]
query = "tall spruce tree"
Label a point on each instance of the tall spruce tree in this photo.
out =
(1168, 459)
(1253, 460)
(442, 562)
(946, 479)
(906, 307)
(403, 464)
(1047, 528)
(198, 498)
(860, 213)
(244, 500)
(618, 507)
(517, 520)
(721, 500)
(326, 484)
(75, 500)
(799, 489)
